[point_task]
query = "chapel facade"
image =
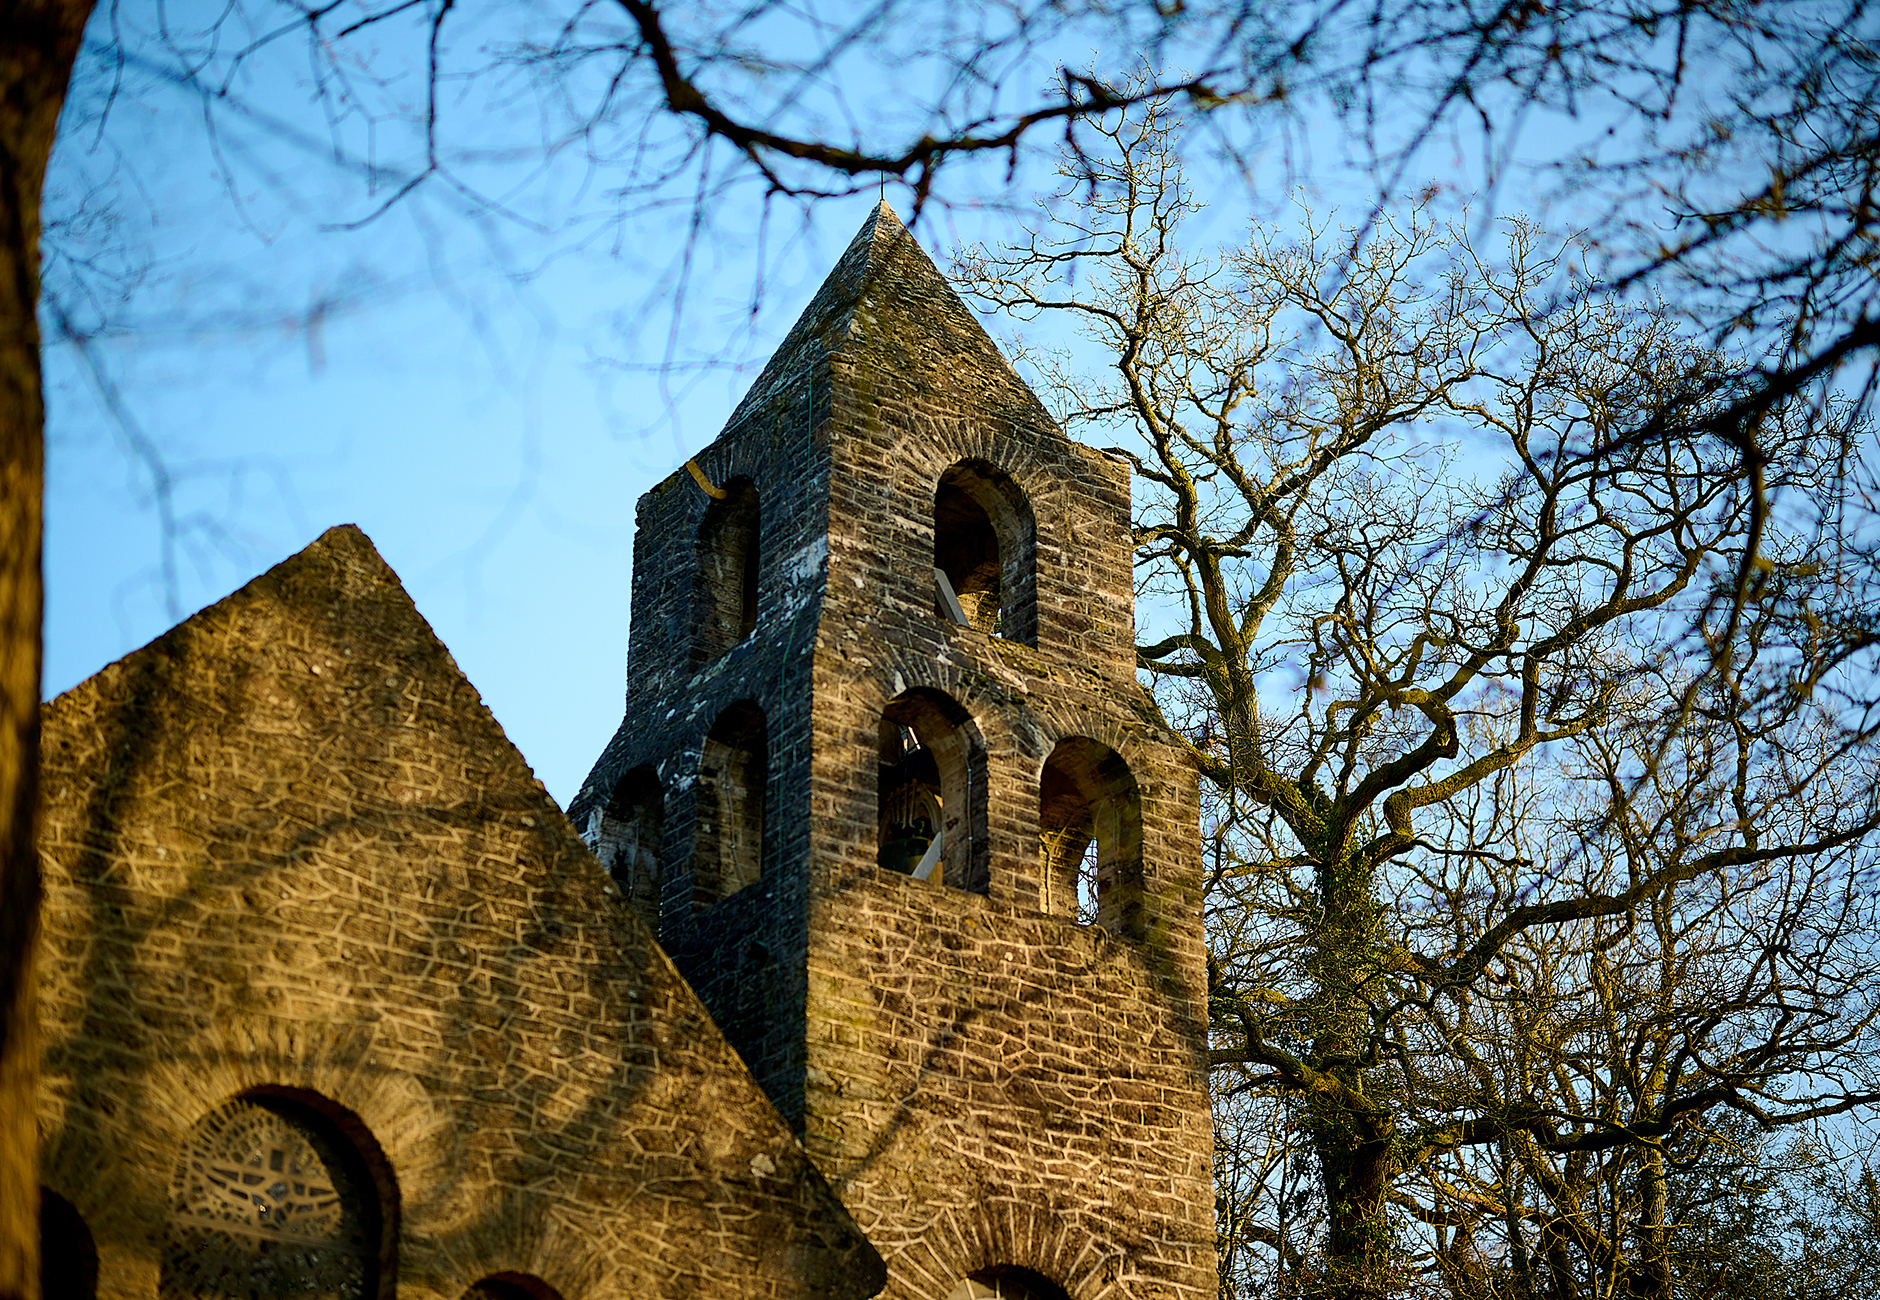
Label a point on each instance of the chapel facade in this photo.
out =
(868, 961)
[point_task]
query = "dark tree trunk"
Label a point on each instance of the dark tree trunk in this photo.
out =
(1650, 1278)
(1352, 1138)
(38, 41)
(1356, 1173)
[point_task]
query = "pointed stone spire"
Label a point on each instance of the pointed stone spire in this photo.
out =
(885, 304)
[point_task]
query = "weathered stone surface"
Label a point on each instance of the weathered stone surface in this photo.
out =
(286, 847)
(982, 1079)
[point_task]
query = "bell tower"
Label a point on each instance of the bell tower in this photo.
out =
(889, 793)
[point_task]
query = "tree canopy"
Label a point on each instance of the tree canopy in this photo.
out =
(1538, 856)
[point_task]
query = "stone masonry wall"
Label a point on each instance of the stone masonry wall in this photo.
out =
(285, 847)
(745, 955)
(991, 1083)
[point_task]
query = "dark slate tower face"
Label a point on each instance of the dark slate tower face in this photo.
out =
(891, 796)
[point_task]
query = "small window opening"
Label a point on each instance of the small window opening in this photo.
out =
(68, 1257)
(931, 792)
(910, 803)
(1007, 1282)
(511, 1286)
(1087, 884)
(1090, 836)
(626, 837)
(966, 553)
(725, 606)
(728, 851)
(985, 552)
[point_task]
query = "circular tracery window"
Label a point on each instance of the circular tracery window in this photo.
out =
(268, 1203)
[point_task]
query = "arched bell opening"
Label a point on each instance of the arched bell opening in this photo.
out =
(985, 552)
(629, 841)
(1090, 836)
(733, 770)
(724, 607)
(280, 1194)
(931, 792)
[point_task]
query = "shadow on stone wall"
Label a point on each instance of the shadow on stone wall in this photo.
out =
(287, 848)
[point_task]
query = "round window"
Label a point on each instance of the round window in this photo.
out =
(269, 1203)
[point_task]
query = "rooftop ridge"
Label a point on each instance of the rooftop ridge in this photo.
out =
(332, 548)
(885, 290)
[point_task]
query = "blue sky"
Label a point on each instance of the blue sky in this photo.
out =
(486, 399)
(485, 387)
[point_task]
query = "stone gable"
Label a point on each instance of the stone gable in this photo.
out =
(290, 857)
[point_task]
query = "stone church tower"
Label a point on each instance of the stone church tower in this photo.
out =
(891, 797)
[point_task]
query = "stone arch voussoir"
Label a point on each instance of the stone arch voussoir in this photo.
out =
(1010, 1230)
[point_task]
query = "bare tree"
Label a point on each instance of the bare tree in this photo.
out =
(1632, 1052)
(1795, 1219)
(1727, 149)
(1443, 634)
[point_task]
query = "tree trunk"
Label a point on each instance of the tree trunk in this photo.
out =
(1353, 1142)
(1650, 1278)
(1562, 1281)
(38, 41)
(1356, 1176)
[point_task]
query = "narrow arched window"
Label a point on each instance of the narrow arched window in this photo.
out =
(985, 552)
(626, 837)
(728, 845)
(68, 1257)
(1090, 836)
(273, 1200)
(724, 608)
(511, 1286)
(1007, 1282)
(931, 792)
